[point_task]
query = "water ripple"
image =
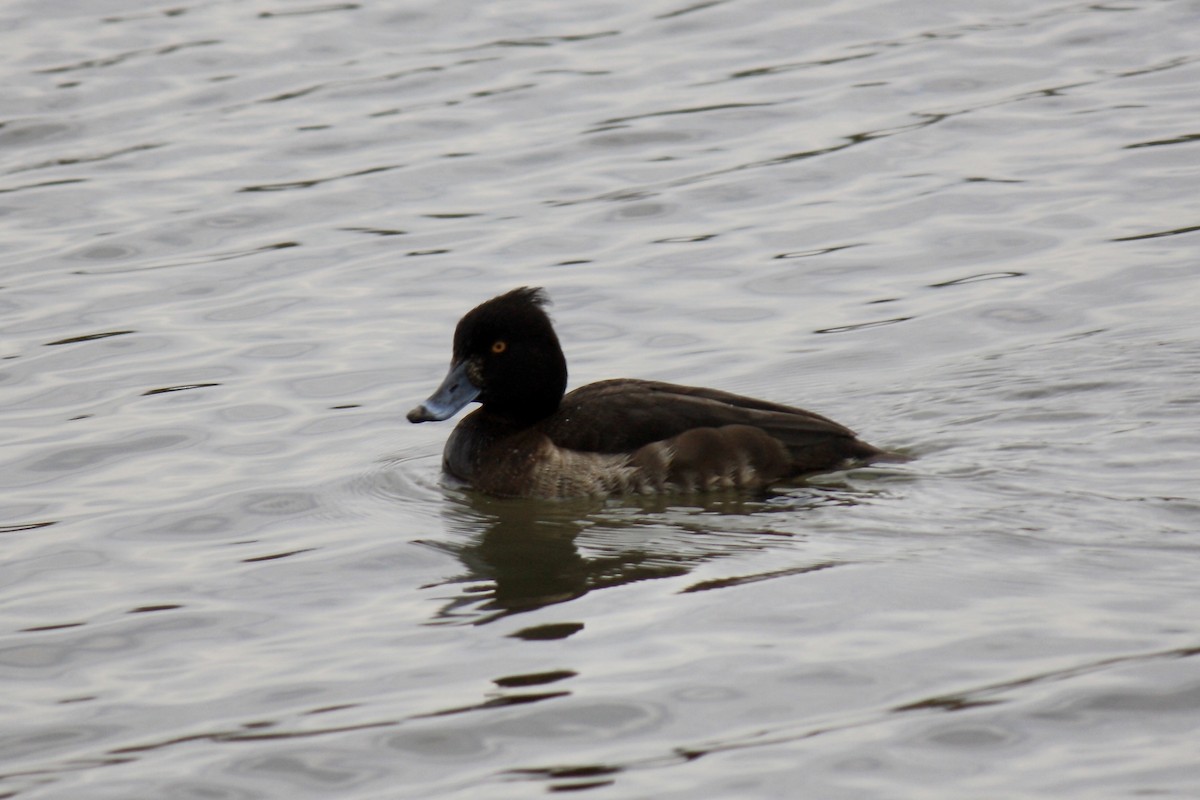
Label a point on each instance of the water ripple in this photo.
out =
(237, 241)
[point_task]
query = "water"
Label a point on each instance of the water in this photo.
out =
(236, 239)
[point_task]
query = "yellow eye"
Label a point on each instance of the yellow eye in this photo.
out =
(499, 346)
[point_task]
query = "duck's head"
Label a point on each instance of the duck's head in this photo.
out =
(506, 357)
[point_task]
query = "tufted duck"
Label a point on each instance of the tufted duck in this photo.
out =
(617, 436)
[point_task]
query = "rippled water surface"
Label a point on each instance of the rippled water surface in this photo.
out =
(236, 238)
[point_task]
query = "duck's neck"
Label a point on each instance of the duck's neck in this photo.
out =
(536, 397)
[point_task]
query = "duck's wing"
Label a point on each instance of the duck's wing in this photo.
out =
(621, 416)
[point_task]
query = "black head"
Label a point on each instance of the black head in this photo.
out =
(506, 356)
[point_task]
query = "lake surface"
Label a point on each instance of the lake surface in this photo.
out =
(237, 236)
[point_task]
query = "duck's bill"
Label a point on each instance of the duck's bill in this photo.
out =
(450, 398)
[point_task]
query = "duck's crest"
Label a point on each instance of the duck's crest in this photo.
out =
(534, 295)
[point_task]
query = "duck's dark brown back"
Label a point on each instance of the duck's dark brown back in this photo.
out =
(625, 415)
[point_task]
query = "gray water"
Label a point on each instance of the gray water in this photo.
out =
(236, 238)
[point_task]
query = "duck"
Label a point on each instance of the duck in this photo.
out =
(529, 438)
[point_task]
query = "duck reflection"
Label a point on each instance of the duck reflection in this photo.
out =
(521, 554)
